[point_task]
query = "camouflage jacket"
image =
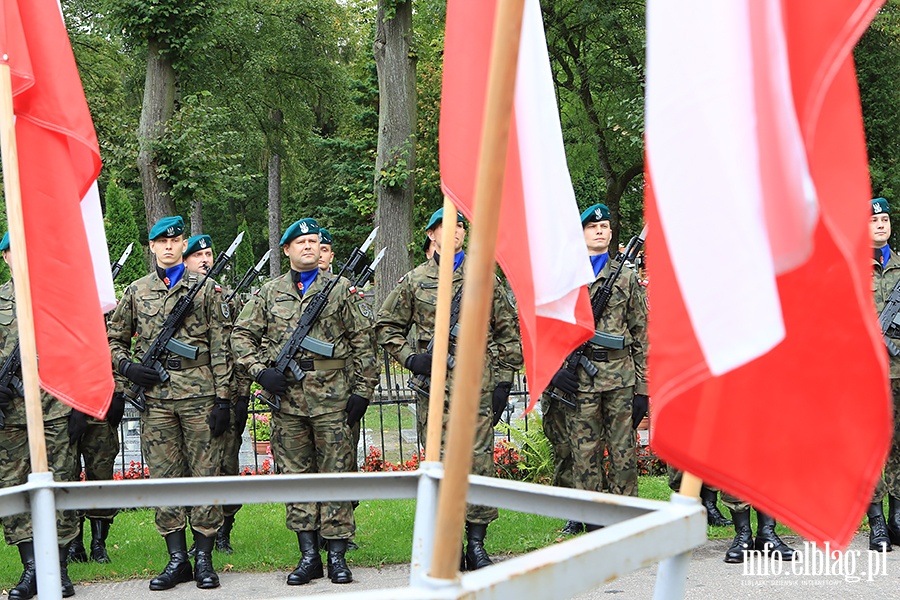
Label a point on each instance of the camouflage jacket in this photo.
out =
(9, 335)
(414, 301)
(625, 315)
(269, 318)
(883, 281)
(141, 313)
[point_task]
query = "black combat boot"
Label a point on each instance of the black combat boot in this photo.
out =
(476, 556)
(893, 520)
(767, 541)
(223, 537)
(743, 538)
(99, 533)
(77, 553)
(310, 565)
(204, 573)
(879, 540)
(338, 571)
(27, 586)
(572, 528)
(179, 568)
(462, 559)
(68, 590)
(713, 516)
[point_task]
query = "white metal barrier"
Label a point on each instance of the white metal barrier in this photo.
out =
(637, 532)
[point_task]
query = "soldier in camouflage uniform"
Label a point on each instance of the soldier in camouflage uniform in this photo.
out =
(326, 250)
(413, 302)
(311, 431)
(187, 414)
(60, 430)
(199, 258)
(608, 406)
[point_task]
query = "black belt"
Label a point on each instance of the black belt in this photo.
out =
(178, 363)
(597, 355)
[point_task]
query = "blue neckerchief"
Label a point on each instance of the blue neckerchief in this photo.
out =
(306, 279)
(458, 258)
(598, 261)
(174, 275)
(885, 255)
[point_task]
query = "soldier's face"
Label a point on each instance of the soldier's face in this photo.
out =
(200, 261)
(303, 252)
(597, 236)
(326, 255)
(880, 229)
(168, 251)
(436, 233)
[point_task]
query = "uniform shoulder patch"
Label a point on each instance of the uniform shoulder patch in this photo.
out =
(218, 288)
(226, 311)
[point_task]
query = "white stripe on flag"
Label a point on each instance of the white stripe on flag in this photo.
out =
(96, 235)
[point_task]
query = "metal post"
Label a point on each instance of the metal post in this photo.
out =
(423, 529)
(671, 578)
(46, 545)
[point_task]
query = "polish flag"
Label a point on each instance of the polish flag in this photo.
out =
(768, 372)
(59, 160)
(540, 245)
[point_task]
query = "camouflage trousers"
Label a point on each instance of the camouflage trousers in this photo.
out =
(354, 445)
(15, 466)
(890, 481)
(482, 452)
(315, 445)
(553, 421)
(602, 421)
(733, 503)
(231, 451)
(176, 442)
(97, 450)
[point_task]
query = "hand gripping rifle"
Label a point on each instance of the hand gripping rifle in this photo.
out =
(422, 383)
(888, 319)
(117, 266)
(249, 277)
(165, 342)
(604, 340)
(300, 338)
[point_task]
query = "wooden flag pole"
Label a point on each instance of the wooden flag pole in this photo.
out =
(479, 286)
(24, 310)
(441, 347)
(690, 485)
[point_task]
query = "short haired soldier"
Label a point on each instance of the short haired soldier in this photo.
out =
(186, 414)
(311, 431)
(412, 302)
(60, 431)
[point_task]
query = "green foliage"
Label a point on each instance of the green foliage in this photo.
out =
(535, 451)
(121, 230)
(243, 256)
(394, 172)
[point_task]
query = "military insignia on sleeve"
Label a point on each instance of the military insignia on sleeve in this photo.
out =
(646, 301)
(226, 312)
(365, 310)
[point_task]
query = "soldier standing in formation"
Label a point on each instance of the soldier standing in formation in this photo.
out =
(311, 431)
(326, 250)
(61, 430)
(186, 414)
(412, 302)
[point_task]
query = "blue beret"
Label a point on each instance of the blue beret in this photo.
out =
(880, 205)
(298, 228)
(167, 227)
(325, 236)
(438, 217)
(4, 243)
(197, 242)
(595, 214)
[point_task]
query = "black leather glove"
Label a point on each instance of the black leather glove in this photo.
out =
(6, 398)
(500, 400)
(420, 364)
(241, 410)
(273, 380)
(139, 374)
(565, 380)
(220, 417)
(78, 422)
(640, 404)
(356, 408)
(116, 409)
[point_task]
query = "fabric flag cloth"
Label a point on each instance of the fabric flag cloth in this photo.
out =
(540, 245)
(767, 370)
(59, 160)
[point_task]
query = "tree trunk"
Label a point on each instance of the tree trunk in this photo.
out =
(157, 108)
(396, 66)
(277, 119)
(197, 216)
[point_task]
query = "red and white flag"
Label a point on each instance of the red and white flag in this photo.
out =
(768, 372)
(540, 245)
(59, 160)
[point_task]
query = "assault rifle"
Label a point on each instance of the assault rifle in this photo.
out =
(249, 277)
(422, 383)
(889, 319)
(300, 338)
(604, 340)
(366, 274)
(165, 342)
(117, 266)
